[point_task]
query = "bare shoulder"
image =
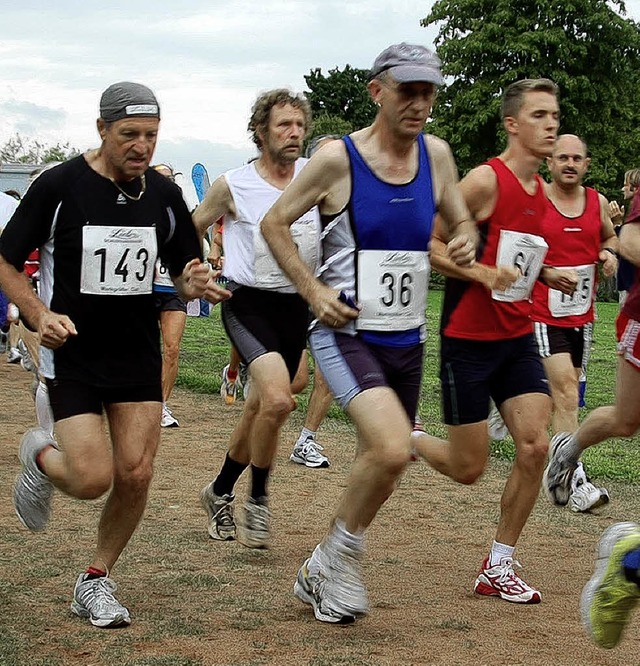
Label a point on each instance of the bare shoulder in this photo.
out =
(438, 148)
(480, 191)
(332, 157)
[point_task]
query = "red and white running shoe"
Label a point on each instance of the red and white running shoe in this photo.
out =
(502, 581)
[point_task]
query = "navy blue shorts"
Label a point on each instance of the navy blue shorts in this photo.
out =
(70, 398)
(472, 371)
(350, 366)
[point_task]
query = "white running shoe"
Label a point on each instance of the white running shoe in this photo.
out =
(497, 427)
(331, 582)
(219, 509)
(228, 387)
(168, 420)
(13, 355)
(584, 495)
(502, 581)
(252, 530)
(308, 453)
(33, 491)
(93, 599)
(26, 361)
(556, 480)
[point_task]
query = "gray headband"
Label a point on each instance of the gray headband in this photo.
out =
(126, 100)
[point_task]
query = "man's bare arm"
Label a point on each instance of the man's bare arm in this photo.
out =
(609, 241)
(458, 226)
(216, 203)
(314, 186)
(53, 328)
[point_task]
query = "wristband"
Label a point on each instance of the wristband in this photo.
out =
(611, 251)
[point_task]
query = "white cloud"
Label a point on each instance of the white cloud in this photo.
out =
(206, 60)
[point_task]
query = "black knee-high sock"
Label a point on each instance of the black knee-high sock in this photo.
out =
(259, 478)
(229, 474)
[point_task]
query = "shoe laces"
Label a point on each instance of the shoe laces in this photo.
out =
(505, 574)
(97, 593)
(310, 446)
(224, 515)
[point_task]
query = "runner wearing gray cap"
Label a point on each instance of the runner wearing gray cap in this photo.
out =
(378, 190)
(100, 221)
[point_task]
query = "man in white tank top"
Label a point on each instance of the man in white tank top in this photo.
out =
(265, 318)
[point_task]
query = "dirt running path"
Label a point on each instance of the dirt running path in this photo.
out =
(197, 602)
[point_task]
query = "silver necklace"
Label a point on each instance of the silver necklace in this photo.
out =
(129, 196)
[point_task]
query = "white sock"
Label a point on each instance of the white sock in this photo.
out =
(499, 551)
(345, 540)
(305, 433)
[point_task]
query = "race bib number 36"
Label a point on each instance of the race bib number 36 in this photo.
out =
(392, 289)
(117, 261)
(525, 252)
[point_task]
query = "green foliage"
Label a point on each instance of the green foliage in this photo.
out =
(327, 124)
(18, 150)
(587, 47)
(341, 94)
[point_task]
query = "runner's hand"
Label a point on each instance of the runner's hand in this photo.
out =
(54, 329)
(329, 309)
(616, 212)
(565, 281)
(461, 250)
(500, 278)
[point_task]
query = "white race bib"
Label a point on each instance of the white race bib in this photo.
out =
(162, 277)
(117, 261)
(523, 251)
(562, 305)
(392, 289)
(306, 235)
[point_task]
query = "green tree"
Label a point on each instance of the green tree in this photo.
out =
(327, 124)
(17, 150)
(588, 47)
(341, 94)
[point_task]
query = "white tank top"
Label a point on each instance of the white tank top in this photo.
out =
(247, 258)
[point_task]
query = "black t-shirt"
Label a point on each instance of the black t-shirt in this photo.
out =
(97, 256)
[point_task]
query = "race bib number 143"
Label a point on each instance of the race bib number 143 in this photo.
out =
(118, 261)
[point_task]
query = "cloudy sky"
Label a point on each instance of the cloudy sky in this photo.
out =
(206, 61)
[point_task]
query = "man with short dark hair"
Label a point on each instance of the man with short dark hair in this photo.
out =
(487, 345)
(378, 190)
(266, 320)
(100, 220)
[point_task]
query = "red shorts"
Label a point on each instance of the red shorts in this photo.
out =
(628, 333)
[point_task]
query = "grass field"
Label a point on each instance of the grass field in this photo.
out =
(205, 351)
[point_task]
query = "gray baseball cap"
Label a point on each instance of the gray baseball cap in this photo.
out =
(126, 100)
(408, 63)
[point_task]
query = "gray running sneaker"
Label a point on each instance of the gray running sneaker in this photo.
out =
(308, 453)
(219, 509)
(93, 598)
(559, 472)
(253, 527)
(13, 355)
(26, 361)
(33, 491)
(584, 495)
(333, 585)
